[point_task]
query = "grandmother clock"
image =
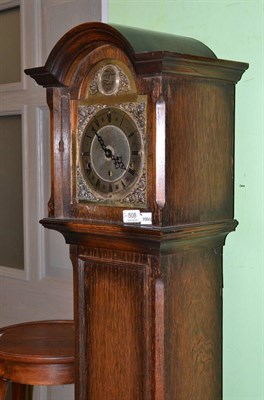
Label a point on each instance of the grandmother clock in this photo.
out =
(142, 138)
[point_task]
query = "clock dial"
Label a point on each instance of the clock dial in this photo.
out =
(111, 153)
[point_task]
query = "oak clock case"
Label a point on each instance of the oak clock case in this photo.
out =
(143, 120)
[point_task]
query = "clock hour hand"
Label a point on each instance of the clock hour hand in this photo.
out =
(118, 162)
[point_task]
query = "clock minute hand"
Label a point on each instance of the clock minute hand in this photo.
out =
(101, 141)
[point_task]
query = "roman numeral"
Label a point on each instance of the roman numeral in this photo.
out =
(122, 120)
(132, 133)
(96, 121)
(88, 169)
(109, 116)
(85, 153)
(131, 171)
(98, 183)
(135, 152)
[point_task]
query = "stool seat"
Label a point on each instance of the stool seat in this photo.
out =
(37, 353)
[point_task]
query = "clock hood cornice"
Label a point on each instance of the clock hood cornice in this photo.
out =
(143, 239)
(149, 51)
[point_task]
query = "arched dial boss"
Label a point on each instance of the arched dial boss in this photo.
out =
(111, 153)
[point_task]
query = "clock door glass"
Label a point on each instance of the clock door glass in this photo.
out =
(111, 152)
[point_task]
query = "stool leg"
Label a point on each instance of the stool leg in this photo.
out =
(3, 389)
(21, 392)
(29, 392)
(18, 391)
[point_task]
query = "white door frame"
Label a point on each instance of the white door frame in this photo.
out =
(43, 290)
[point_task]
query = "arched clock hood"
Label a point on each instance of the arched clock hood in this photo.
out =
(150, 51)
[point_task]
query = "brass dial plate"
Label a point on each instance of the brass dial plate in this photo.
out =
(111, 163)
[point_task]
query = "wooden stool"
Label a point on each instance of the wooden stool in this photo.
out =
(36, 353)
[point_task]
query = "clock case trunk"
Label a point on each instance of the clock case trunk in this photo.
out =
(148, 299)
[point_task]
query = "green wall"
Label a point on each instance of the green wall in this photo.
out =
(234, 31)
